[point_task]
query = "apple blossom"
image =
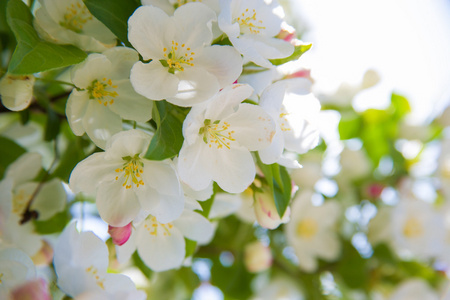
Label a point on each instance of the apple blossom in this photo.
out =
(104, 95)
(161, 246)
(257, 257)
(124, 182)
(70, 22)
(81, 262)
(169, 6)
(251, 26)
(311, 231)
(414, 289)
(16, 269)
(218, 138)
(16, 91)
(184, 68)
(295, 111)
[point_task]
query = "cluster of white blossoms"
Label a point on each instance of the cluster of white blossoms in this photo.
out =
(191, 55)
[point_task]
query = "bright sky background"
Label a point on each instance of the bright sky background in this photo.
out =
(406, 41)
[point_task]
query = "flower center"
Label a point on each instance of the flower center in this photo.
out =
(217, 133)
(103, 91)
(307, 228)
(412, 228)
(132, 170)
(152, 226)
(94, 272)
(284, 123)
(76, 16)
(249, 23)
(178, 57)
(20, 201)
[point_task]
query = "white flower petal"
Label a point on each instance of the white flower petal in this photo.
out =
(125, 251)
(116, 204)
(127, 143)
(148, 28)
(161, 248)
(21, 236)
(100, 123)
(193, 21)
(224, 62)
(194, 226)
(224, 205)
(122, 59)
(153, 81)
(195, 86)
(273, 152)
(76, 109)
(254, 128)
(227, 100)
(91, 172)
(25, 168)
(50, 200)
(129, 105)
(194, 159)
(233, 169)
(94, 67)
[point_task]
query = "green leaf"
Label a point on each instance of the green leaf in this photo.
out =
(114, 14)
(350, 126)
(32, 54)
(71, 156)
(353, 268)
(52, 125)
(298, 51)
(400, 106)
(9, 152)
(54, 224)
(168, 138)
(281, 188)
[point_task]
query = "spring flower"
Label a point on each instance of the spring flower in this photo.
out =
(218, 138)
(296, 112)
(311, 231)
(70, 22)
(414, 289)
(257, 257)
(161, 246)
(81, 262)
(169, 6)
(124, 182)
(16, 191)
(251, 26)
(184, 69)
(106, 96)
(16, 91)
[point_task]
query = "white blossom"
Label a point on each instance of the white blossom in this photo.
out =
(311, 231)
(104, 95)
(124, 182)
(70, 22)
(218, 138)
(184, 68)
(251, 26)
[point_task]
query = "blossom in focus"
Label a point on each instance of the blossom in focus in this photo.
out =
(311, 231)
(16, 91)
(124, 182)
(70, 22)
(104, 95)
(161, 246)
(184, 68)
(218, 138)
(295, 111)
(251, 26)
(81, 261)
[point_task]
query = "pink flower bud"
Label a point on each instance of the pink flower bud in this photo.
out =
(374, 190)
(303, 73)
(287, 33)
(257, 257)
(266, 211)
(120, 235)
(32, 290)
